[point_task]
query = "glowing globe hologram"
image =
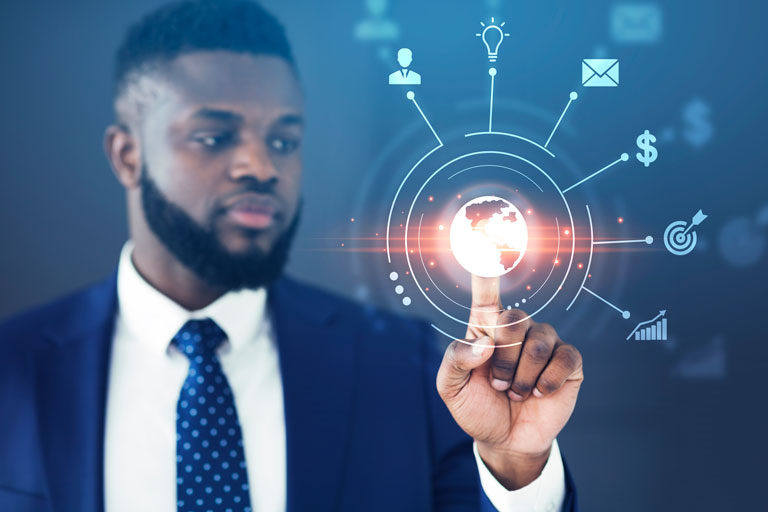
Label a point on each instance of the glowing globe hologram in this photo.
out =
(488, 236)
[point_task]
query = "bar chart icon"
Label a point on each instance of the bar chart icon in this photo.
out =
(654, 329)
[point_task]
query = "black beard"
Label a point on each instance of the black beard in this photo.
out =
(199, 249)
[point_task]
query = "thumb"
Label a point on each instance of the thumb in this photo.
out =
(461, 357)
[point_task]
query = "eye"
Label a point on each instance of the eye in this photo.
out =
(213, 140)
(283, 145)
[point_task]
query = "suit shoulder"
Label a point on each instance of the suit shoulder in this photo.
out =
(25, 330)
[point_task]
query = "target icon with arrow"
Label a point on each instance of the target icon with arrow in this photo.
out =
(679, 239)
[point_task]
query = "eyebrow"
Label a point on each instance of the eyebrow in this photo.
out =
(291, 119)
(218, 115)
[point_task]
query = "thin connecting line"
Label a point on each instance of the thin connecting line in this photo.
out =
(572, 97)
(491, 72)
(623, 158)
(411, 96)
(624, 314)
(607, 242)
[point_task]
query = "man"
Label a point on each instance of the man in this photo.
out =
(197, 377)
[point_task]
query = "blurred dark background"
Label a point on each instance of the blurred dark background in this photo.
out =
(659, 426)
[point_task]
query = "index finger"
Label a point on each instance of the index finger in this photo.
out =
(485, 293)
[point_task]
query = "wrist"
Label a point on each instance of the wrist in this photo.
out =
(511, 469)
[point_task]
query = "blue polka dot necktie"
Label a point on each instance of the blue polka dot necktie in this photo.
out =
(210, 462)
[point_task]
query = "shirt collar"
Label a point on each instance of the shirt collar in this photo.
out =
(153, 319)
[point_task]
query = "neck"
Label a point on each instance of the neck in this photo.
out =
(161, 270)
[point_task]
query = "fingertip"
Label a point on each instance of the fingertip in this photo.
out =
(499, 385)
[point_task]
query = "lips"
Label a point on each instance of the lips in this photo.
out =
(252, 211)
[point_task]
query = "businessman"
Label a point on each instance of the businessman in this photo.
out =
(197, 377)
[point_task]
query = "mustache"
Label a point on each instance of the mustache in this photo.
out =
(250, 185)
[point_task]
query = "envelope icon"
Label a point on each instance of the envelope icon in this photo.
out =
(600, 73)
(636, 23)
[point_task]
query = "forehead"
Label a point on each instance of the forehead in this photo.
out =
(259, 85)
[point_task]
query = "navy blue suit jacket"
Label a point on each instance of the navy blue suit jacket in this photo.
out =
(365, 428)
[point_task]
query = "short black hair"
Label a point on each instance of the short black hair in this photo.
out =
(197, 25)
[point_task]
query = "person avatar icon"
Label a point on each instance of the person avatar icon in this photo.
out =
(376, 27)
(404, 76)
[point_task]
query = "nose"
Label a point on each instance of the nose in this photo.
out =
(251, 159)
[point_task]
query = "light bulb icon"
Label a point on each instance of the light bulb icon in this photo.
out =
(492, 36)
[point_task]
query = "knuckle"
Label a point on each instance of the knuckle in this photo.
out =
(522, 387)
(546, 385)
(504, 366)
(571, 356)
(513, 318)
(538, 350)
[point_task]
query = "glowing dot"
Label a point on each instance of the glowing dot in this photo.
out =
(523, 301)
(624, 157)
(401, 225)
(557, 261)
(534, 270)
(457, 286)
(458, 196)
(567, 231)
(589, 275)
(399, 289)
(441, 227)
(377, 234)
(426, 289)
(625, 315)
(407, 273)
(411, 251)
(528, 287)
(574, 95)
(406, 301)
(621, 220)
(431, 198)
(393, 276)
(649, 240)
(509, 307)
(342, 244)
(352, 219)
(580, 266)
(517, 304)
(410, 95)
(431, 263)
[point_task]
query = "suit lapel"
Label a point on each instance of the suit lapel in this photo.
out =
(318, 362)
(71, 393)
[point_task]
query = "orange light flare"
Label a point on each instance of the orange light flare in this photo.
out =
(431, 198)
(352, 219)
(580, 266)
(621, 220)
(458, 196)
(432, 263)
(528, 287)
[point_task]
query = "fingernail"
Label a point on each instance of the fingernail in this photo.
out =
(499, 385)
(537, 393)
(514, 396)
(477, 350)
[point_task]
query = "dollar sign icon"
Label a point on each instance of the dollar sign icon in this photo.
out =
(698, 129)
(649, 154)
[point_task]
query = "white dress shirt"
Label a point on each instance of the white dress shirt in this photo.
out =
(145, 380)
(146, 376)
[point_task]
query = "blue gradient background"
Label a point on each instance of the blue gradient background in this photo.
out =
(645, 435)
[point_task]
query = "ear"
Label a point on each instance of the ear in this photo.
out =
(124, 155)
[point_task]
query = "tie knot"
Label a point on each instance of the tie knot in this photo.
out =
(198, 339)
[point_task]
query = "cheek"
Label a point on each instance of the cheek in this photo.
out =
(191, 187)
